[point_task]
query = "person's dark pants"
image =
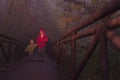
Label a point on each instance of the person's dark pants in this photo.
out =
(41, 52)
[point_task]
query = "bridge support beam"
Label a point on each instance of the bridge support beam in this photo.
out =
(73, 53)
(104, 63)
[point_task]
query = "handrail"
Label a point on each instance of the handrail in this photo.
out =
(101, 33)
(9, 38)
(91, 31)
(6, 52)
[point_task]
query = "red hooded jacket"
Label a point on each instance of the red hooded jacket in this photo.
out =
(41, 41)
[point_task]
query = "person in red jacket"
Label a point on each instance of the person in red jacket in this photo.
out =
(41, 42)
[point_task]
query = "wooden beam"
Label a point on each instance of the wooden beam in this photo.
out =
(114, 39)
(111, 24)
(103, 43)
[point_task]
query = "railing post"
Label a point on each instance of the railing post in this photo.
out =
(16, 53)
(104, 60)
(55, 52)
(19, 52)
(58, 52)
(104, 64)
(9, 51)
(73, 52)
(64, 56)
(3, 51)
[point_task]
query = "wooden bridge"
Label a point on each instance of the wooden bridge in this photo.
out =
(60, 61)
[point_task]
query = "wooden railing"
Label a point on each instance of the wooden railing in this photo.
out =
(100, 33)
(11, 50)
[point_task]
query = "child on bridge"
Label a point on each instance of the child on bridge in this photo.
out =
(31, 47)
